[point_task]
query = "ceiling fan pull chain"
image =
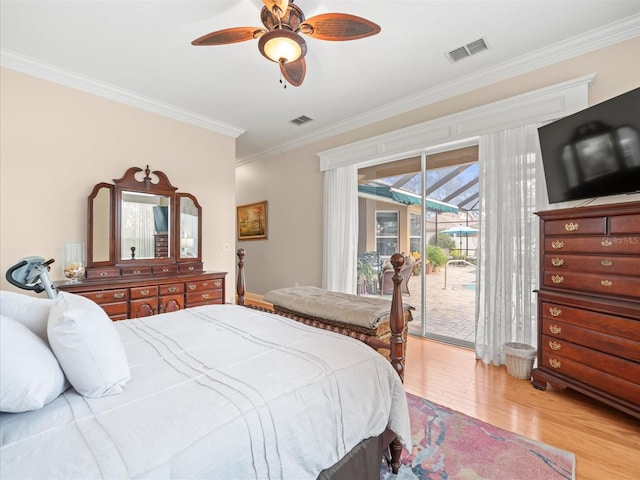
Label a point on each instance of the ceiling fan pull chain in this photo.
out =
(282, 81)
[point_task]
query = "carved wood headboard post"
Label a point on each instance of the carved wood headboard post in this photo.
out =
(396, 320)
(240, 285)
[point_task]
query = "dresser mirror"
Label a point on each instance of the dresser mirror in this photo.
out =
(190, 227)
(140, 220)
(145, 220)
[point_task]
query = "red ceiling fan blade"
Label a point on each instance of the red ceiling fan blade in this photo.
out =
(229, 35)
(294, 72)
(338, 27)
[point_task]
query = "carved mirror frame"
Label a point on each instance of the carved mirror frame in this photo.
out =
(104, 221)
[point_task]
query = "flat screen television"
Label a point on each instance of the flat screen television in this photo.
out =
(161, 218)
(595, 152)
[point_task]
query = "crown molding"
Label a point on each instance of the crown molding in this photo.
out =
(36, 68)
(598, 38)
(595, 39)
(535, 107)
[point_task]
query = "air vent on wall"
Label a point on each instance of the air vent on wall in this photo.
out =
(301, 120)
(467, 50)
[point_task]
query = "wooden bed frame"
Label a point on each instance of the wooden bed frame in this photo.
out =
(396, 344)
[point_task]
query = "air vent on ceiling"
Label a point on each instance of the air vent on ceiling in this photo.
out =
(467, 50)
(301, 120)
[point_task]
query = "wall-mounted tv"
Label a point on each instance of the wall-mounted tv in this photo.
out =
(161, 218)
(595, 152)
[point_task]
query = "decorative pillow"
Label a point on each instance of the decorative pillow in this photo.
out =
(32, 312)
(30, 376)
(87, 346)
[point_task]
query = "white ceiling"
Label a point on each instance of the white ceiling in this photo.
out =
(139, 52)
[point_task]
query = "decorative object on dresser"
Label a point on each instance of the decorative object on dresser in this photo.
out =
(144, 249)
(589, 303)
(74, 261)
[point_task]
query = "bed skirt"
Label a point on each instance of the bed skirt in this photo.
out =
(363, 461)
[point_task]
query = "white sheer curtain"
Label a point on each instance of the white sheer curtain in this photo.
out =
(137, 230)
(511, 190)
(340, 229)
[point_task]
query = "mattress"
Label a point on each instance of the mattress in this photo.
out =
(219, 391)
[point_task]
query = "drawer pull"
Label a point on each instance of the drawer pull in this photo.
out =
(555, 363)
(118, 295)
(165, 270)
(555, 329)
(606, 283)
(557, 244)
(172, 289)
(606, 263)
(557, 262)
(217, 283)
(555, 312)
(144, 292)
(571, 227)
(191, 286)
(136, 272)
(104, 274)
(99, 295)
(554, 345)
(606, 242)
(192, 268)
(557, 279)
(205, 295)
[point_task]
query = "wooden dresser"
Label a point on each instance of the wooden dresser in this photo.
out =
(130, 297)
(589, 303)
(134, 267)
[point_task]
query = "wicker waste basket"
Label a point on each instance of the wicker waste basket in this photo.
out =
(520, 358)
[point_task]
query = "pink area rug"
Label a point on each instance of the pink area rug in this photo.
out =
(453, 446)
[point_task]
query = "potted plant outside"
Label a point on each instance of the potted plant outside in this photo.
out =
(436, 256)
(428, 266)
(366, 274)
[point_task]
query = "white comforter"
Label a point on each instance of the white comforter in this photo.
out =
(216, 392)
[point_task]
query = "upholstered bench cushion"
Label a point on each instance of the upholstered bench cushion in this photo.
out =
(360, 311)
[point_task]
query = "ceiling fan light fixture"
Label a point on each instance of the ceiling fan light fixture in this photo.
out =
(282, 46)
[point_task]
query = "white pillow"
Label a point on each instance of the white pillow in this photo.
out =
(30, 376)
(32, 312)
(87, 346)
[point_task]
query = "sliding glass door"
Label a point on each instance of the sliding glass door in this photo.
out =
(406, 206)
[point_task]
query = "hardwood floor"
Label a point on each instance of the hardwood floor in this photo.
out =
(606, 442)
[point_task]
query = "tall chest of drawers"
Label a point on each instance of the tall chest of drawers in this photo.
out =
(589, 303)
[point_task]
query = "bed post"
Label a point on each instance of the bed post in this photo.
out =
(397, 353)
(396, 318)
(240, 285)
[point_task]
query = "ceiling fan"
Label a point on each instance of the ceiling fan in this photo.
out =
(280, 40)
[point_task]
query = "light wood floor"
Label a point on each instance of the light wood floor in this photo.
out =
(606, 442)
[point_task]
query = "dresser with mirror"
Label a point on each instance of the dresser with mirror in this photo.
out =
(144, 249)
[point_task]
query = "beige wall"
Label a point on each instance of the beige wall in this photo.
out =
(292, 183)
(293, 187)
(57, 142)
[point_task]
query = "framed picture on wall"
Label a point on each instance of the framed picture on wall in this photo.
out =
(252, 221)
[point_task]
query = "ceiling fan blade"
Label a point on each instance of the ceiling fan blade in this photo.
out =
(338, 27)
(294, 72)
(229, 35)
